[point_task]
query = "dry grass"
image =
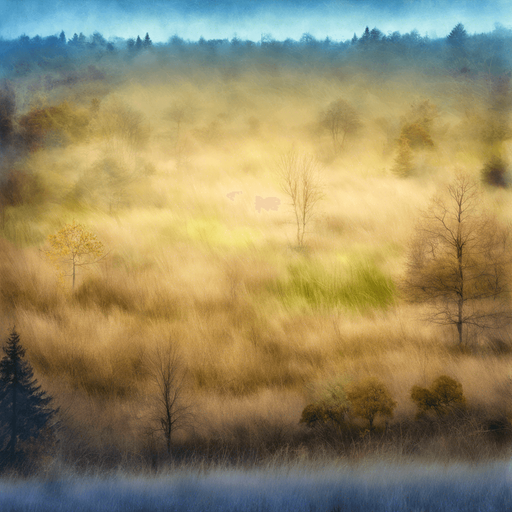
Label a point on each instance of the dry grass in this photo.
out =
(260, 323)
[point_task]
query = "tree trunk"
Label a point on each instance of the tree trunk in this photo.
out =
(14, 426)
(459, 326)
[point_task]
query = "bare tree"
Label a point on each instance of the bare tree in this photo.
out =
(341, 119)
(172, 409)
(459, 262)
(300, 180)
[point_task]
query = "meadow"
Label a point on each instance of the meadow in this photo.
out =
(145, 150)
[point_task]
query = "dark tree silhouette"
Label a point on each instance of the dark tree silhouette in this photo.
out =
(342, 120)
(376, 34)
(24, 408)
(138, 43)
(457, 36)
(495, 172)
(62, 37)
(459, 262)
(366, 35)
(7, 111)
(147, 41)
(172, 408)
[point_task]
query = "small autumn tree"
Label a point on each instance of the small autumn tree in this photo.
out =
(370, 398)
(24, 409)
(73, 247)
(443, 395)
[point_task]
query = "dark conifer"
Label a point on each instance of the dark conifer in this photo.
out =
(457, 37)
(24, 408)
(366, 35)
(147, 41)
(138, 43)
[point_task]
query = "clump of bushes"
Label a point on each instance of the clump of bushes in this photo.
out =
(367, 400)
(444, 395)
(331, 408)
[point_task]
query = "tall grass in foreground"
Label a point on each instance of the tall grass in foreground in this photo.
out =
(299, 488)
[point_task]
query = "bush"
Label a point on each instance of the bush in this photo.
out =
(369, 399)
(444, 395)
(331, 408)
(494, 172)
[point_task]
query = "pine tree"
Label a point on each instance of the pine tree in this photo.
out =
(457, 37)
(24, 408)
(147, 41)
(138, 43)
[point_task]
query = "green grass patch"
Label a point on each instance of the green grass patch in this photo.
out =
(358, 286)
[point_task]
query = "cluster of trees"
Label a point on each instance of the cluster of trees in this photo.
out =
(29, 420)
(371, 400)
(139, 44)
(458, 41)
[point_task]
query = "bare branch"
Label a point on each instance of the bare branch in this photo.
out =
(300, 181)
(459, 262)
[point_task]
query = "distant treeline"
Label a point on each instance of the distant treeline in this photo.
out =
(464, 49)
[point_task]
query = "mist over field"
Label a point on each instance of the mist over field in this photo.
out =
(225, 253)
(247, 19)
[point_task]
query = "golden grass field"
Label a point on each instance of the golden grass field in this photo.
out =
(145, 158)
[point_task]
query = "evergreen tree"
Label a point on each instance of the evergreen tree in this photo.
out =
(138, 43)
(376, 34)
(147, 41)
(457, 37)
(366, 35)
(24, 408)
(62, 37)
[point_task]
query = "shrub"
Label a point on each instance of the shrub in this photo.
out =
(369, 399)
(444, 394)
(331, 408)
(494, 172)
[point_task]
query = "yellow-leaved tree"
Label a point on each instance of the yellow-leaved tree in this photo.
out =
(72, 247)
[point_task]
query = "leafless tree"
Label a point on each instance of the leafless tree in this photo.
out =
(341, 119)
(172, 406)
(459, 261)
(299, 176)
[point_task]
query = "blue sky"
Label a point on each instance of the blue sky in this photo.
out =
(248, 19)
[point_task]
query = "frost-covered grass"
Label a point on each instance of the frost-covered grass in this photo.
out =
(366, 487)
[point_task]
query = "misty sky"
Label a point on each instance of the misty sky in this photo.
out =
(247, 19)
